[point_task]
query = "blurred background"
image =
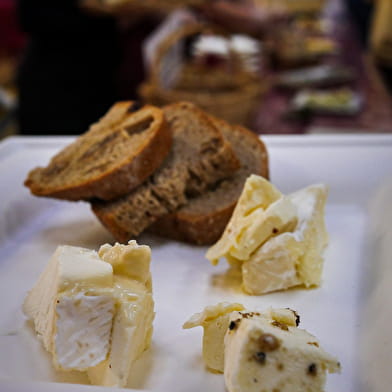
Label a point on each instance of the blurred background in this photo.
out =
(275, 66)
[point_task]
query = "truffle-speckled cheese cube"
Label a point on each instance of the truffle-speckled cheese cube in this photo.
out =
(265, 355)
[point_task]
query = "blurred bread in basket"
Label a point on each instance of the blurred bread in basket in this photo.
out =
(295, 6)
(198, 62)
(196, 173)
(160, 6)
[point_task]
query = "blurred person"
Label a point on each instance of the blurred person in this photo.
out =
(66, 78)
(372, 19)
(79, 61)
(361, 12)
(381, 39)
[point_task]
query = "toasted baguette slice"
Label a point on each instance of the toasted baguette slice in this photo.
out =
(203, 219)
(199, 157)
(114, 156)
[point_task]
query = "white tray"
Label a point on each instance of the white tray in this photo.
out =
(351, 313)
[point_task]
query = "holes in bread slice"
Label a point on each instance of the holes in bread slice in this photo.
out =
(139, 127)
(211, 146)
(134, 107)
(99, 147)
(100, 167)
(102, 145)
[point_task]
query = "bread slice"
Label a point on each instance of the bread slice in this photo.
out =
(203, 219)
(199, 157)
(114, 156)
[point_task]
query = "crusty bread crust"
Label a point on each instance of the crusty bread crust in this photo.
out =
(131, 168)
(192, 228)
(199, 158)
(206, 229)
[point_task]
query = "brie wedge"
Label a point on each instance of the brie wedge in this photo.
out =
(277, 241)
(94, 312)
(132, 325)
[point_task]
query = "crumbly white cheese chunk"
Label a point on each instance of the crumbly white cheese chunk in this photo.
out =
(255, 198)
(215, 321)
(132, 260)
(95, 311)
(277, 241)
(262, 354)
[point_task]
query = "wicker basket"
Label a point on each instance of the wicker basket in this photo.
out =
(295, 6)
(165, 6)
(232, 98)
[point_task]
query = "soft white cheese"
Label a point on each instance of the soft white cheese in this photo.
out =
(70, 269)
(255, 198)
(132, 260)
(95, 314)
(83, 329)
(311, 232)
(131, 335)
(263, 354)
(132, 327)
(291, 258)
(215, 321)
(277, 241)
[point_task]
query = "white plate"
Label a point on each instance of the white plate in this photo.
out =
(350, 313)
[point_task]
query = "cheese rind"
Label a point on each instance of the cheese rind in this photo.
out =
(83, 330)
(311, 232)
(263, 355)
(70, 268)
(80, 266)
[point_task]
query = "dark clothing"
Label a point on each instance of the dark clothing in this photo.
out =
(361, 13)
(67, 75)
